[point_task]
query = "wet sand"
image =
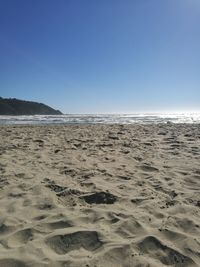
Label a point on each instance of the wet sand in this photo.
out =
(100, 195)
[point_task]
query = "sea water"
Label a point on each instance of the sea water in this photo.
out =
(145, 118)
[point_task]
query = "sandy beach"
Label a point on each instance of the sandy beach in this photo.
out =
(100, 195)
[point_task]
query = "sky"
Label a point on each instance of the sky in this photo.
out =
(102, 56)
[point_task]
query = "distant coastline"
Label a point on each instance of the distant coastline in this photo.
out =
(14, 107)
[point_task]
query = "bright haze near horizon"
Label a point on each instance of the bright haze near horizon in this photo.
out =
(103, 56)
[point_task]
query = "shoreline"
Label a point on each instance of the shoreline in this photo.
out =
(99, 124)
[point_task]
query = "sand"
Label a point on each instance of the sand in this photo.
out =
(100, 195)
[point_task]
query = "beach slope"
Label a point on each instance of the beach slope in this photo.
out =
(100, 195)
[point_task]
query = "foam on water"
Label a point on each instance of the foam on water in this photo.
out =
(103, 118)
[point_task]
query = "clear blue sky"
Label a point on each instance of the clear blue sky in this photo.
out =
(90, 56)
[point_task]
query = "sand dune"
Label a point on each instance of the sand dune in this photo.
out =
(100, 195)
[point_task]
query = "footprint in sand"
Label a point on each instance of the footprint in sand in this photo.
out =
(20, 238)
(12, 263)
(100, 198)
(152, 246)
(62, 244)
(5, 229)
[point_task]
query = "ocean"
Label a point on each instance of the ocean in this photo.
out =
(145, 118)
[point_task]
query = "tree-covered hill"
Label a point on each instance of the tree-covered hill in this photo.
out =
(13, 106)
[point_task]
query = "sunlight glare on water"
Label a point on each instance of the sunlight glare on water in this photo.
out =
(103, 118)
